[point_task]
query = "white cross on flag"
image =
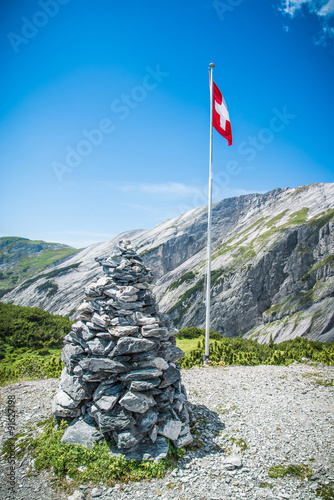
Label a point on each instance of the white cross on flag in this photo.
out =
(220, 116)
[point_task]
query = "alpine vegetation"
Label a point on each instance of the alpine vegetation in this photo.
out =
(121, 381)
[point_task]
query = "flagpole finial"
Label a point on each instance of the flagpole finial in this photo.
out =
(212, 65)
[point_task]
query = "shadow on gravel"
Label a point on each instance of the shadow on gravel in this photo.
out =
(205, 426)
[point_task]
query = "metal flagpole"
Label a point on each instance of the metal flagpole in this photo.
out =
(208, 276)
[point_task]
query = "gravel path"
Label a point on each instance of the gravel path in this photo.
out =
(246, 419)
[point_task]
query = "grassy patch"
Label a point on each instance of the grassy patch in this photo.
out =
(51, 274)
(280, 306)
(326, 491)
(325, 382)
(277, 218)
(189, 276)
(301, 189)
(199, 286)
(321, 220)
(239, 442)
(265, 484)
(329, 260)
(149, 250)
(26, 258)
(48, 286)
(98, 464)
(240, 351)
(30, 343)
(30, 365)
(302, 471)
(299, 217)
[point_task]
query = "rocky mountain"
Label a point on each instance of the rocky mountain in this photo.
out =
(21, 259)
(272, 266)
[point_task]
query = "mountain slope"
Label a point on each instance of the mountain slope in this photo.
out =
(272, 266)
(21, 259)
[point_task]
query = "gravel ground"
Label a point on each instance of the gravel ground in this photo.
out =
(246, 419)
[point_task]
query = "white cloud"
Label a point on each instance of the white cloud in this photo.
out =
(169, 188)
(324, 9)
(327, 9)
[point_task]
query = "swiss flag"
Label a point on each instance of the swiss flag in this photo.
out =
(220, 116)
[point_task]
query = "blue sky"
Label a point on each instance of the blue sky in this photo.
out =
(104, 117)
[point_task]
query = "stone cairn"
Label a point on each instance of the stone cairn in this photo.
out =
(121, 380)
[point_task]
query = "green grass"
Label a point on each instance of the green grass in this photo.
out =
(48, 286)
(149, 250)
(322, 219)
(188, 345)
(301, 189)
(199, 286)
(26, 266)
(326, 492)
(280, 306)
(29, 364)
(278, 471)
(50, 274)
(299, 217)
(65, 458)
(30, 343)
(189, 276)
(329, 260)
(277, 218)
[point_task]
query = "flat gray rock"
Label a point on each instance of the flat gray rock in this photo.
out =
(73, 386)
(171, 429)
(184, 440)
(136, 402)
(148, 420)
(149, 374)
(126, 439)
(118, 419)
(79, 432)
(102, 365)
(97, 346)
(64, 400)
(233, 462)
(171, 353)
(144, 385)
(108, 387)
(129, 345)
(145, 319)
(70, 354)
(170, 376)
(146, 450)
(123, 331)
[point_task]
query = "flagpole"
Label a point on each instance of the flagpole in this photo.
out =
(208, 276)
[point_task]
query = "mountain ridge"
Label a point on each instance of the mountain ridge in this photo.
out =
(272, 266)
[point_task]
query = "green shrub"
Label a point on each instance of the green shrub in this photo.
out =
(31, 327)
(228, 351)
(65, 458)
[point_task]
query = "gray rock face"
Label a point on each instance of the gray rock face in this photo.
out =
(118, 382)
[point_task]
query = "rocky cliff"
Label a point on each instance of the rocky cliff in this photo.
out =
(272, 266)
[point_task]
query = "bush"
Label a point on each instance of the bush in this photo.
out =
(240, 351)
(31, 327)
(192, 332)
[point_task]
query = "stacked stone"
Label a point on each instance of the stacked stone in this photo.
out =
(121, 380)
